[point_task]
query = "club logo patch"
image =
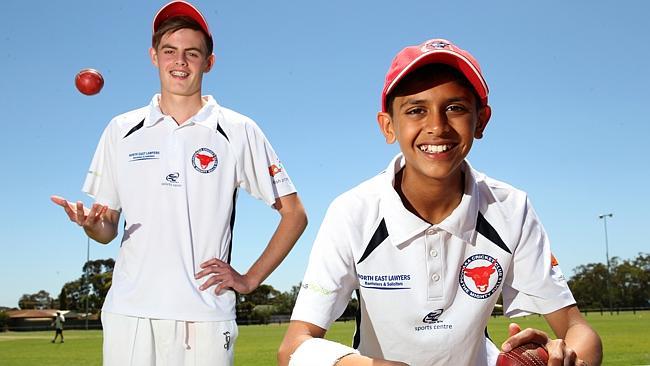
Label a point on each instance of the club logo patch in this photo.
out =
(480, 276)
(275, 169)
(554, 261)
(204, 160)
(434, 45)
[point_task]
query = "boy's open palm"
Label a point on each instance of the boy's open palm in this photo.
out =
(99, 222)
(78, 213)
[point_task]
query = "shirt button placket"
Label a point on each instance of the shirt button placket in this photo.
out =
(177, 148)
(434, 263)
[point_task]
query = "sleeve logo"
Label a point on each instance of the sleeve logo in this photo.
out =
(275, 169)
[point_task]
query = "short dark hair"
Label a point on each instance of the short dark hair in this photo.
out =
(424, 72)
(174, 24)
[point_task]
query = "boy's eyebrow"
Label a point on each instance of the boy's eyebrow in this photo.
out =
(412, 102)
(458, 99)
(186, 49)
(424, 101)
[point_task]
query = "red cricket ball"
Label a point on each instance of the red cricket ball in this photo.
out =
(89, 81)
(529, 354)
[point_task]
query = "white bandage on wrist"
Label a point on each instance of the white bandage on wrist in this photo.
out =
(319, 352)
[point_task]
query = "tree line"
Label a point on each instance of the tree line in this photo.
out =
(627, 284)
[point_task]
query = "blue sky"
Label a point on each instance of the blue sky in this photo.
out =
(568, 88)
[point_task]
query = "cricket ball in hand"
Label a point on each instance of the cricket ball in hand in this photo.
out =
(529, 354)
(89, 81)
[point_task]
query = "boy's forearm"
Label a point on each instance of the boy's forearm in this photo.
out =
(587, 344)
(569, 324)
(292, 224)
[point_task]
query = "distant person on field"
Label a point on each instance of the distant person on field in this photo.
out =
(58, 326)
(174, 169)
(429, 244)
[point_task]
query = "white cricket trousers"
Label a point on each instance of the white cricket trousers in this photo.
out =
(133, 341)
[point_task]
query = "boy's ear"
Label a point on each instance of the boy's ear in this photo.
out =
(484, 114)
(387, 127)
(210, 63)
(154, 56)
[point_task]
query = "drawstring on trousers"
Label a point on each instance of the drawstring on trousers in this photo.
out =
(187, 335)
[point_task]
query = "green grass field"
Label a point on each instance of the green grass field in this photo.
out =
(626, 339)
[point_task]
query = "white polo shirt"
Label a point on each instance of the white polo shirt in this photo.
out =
(176, 187)
(427, 291)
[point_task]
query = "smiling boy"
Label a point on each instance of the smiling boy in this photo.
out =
(430, 243)
(174, 168)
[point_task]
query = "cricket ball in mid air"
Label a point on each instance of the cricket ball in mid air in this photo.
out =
(89, 81)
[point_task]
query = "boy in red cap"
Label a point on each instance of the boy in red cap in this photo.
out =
(430, 243)
(174, 168)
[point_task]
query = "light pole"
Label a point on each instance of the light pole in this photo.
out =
(86, 275)
(609, 294)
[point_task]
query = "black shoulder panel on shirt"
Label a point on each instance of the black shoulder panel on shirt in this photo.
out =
(357, 318)
(135, 128)
(221, 131)
(377, 238)
(232, 223)
(485, 229)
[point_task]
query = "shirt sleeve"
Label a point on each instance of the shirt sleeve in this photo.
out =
(534, 283)
(263, 175)
(100, 180)
(330, 277)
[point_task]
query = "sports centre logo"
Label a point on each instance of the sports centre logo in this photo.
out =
(173, 180)
(432, 322)
(480, 276)
(172, 177)
(204, 160)
(432, 317)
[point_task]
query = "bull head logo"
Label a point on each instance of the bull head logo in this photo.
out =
(481, 275)
(204, 160)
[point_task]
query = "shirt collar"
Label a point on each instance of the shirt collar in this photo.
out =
(404, 226)
(203, 117)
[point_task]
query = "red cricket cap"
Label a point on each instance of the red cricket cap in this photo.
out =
(180, 8)
(434, 51)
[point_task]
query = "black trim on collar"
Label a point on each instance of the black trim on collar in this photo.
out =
(135, 128)
(377, 238)
(485, 229)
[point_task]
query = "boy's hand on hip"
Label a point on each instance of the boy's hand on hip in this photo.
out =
(221, 275)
